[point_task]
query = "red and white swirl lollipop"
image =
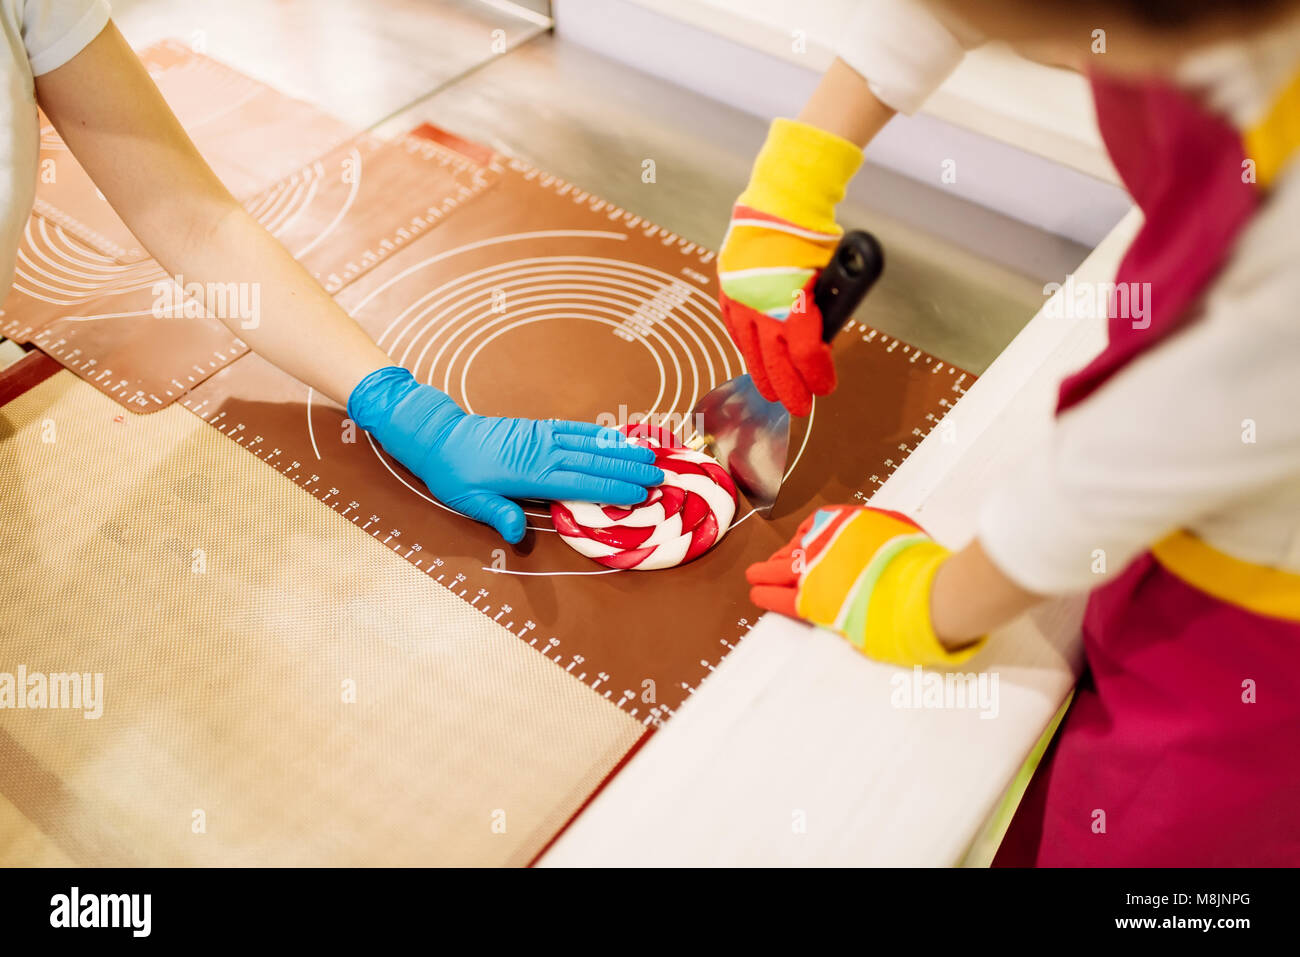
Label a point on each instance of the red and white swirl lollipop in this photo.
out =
(679, 521)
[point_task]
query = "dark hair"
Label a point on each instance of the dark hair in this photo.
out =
(1173, 13)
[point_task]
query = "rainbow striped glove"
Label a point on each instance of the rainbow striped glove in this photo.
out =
(866, 574)
(782, 234)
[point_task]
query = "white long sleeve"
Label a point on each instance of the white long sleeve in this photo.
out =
(1201, 433)
(904, 49)
(36, 36)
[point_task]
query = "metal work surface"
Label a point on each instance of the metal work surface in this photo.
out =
(960, 280)
(360, 60)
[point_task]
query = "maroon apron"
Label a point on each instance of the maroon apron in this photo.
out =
(1182, 745)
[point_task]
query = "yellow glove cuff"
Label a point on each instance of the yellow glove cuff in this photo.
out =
(800, 175)
(898, 628)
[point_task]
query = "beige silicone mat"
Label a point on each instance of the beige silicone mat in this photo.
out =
(226, 609)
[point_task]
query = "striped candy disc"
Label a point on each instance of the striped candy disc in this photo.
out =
(679, 521)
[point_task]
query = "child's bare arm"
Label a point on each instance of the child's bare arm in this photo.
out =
(843, 104)
(972, 596)
(112, 117)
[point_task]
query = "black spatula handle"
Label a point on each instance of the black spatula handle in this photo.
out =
(854, 269)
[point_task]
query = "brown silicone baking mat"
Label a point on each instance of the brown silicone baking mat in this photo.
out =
(96, 317)
(546, 301)
(250, 134)
(377, 195)
(341, 214)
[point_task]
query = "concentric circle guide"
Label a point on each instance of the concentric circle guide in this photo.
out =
(440, 334)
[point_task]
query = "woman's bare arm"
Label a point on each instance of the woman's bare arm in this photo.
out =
(112, 117)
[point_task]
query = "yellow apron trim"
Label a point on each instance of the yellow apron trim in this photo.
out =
(1265, 591)
(1276, 139)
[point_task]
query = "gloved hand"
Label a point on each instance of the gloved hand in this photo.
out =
(866, 574)
(476, 464)
(782, 234)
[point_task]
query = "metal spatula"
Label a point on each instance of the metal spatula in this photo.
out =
(750, 436)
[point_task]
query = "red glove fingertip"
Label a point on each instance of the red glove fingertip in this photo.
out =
(778, 570)
(808, 353)
(774, 598)
(787, 382)
(743, 329)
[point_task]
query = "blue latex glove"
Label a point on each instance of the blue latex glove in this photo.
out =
(476, 464)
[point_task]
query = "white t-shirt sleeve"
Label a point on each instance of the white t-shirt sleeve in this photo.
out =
(54, 31)
(903, 49)
(1202, 425)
